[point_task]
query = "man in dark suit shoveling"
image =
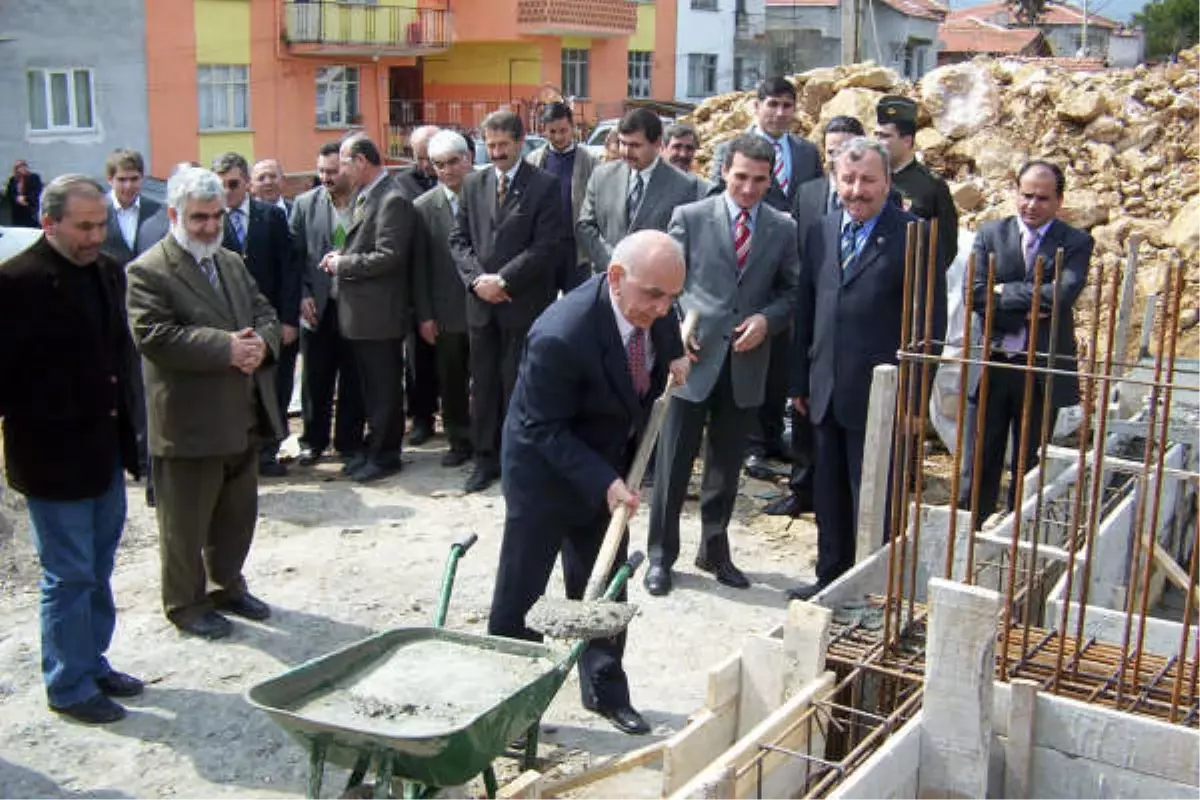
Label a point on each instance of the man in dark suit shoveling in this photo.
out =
(594, 362)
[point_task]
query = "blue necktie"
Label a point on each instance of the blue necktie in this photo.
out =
(849, 250)
(239, 226)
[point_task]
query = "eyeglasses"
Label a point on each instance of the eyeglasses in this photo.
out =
(453, 162)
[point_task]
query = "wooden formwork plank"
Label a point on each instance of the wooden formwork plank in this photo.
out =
(724, 681)
(708, 734)
(526, 785)
(763, 665)
(613, 766)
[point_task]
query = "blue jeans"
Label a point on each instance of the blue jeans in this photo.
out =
(76, 541)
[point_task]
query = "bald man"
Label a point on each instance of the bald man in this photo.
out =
(266, 184)
(593, 364)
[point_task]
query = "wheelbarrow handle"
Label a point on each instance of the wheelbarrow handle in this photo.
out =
(466, 543)
(457, 551)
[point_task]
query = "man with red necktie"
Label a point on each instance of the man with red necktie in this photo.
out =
(742, 271)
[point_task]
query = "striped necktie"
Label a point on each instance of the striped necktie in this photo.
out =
(209, 268)
(850, 244)
(780, 177)
(635, 353)
(239, 227)
(634, 201)
(502, 191)
(741, 239)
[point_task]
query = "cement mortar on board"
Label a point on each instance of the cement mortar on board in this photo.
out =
(576, 619)
(425, 688)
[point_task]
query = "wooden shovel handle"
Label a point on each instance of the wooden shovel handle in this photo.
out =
(620, 517)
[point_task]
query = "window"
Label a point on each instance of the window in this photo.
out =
(224, 95)
(914, 61)
(60, 100)
(337, 97)
(639, 73)
(575, 72)
(704, 5)
(702, 74)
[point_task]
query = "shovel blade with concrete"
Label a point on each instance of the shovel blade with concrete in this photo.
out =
(595, 617)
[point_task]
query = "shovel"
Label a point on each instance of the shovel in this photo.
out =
(594, 617)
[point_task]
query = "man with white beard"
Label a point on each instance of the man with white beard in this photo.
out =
(208, 340)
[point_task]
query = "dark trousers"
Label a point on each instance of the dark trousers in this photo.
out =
(803, 458)
(328, 365)
(527, 555)
(420, 378)
(839, 461)
(207, 509)
(495, 354)
(1002, 425)
(678, 444)
(381, 374)
(285, 380)
(454, 378)
(766, 436)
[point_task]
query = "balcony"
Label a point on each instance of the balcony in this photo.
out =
(334, 27)
(595, 18)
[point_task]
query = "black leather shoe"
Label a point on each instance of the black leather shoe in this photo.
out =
(806, 591)
(422, 432)
(118, 684)
(373, 471)
(625, 719)
(455, 458)
(354, 462)
(243, 605)
(480, 479)
(151, 501)
(308, 457)
(271, 469)
(790, 505)
(209, 625)
(758, 468)
(658, 580)
(96, 710)
(726, 573)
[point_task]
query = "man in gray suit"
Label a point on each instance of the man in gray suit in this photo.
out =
(639, 192)
(573, 166)
(374, 272)
(134, 222)
(208, 339)
(320, 219)
(741, 280)
(446, 330)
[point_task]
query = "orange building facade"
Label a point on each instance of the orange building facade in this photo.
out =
(277, 78)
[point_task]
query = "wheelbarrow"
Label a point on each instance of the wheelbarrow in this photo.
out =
(418, 725)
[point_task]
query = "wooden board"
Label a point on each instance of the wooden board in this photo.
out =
(709, 734)
(762, 680)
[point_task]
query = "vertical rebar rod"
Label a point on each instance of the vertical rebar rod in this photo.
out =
(1170, 318)
(1098, 450)
(1085, 430)
(922, 410)
(897, 432)
(1189, 605)
(981, 398)
(1018, 488)
(1143, 495)
(1044, 435)
(959, 421)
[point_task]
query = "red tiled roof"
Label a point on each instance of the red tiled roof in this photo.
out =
(923, 9)
(1056, 14)
(971, 35)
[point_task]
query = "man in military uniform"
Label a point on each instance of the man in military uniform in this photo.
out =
(924, 193)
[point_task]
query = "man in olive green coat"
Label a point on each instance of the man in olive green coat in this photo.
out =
(208, 339)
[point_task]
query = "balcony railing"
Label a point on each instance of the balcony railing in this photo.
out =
(326, 27)
(577, 17)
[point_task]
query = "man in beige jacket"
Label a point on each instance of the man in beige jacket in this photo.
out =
(207, 339)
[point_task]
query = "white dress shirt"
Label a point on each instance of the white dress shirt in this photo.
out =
(626, 328)
(127, 218)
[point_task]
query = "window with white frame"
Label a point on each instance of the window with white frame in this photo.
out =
(337, 97)
(575, 72)
(61, 100)
(224, 95)
(640, 62)
(704, 5)
(702, 74)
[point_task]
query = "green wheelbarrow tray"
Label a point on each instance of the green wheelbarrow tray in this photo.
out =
(432, 757)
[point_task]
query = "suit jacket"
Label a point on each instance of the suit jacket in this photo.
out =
(410, 184)
(848, 322)
(25, 216)
(448, 296)
(604, 220)
(149, 230)
(67, 396)
(521, 242)
(574, 419)
(197, 405)
(312, 224)
(268, 255)
(806, 165)
(1010, 308)
(375, 272)
(812, 203)
(723, 298)
(585, 164)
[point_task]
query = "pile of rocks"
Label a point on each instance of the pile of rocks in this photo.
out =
(1127, 140)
